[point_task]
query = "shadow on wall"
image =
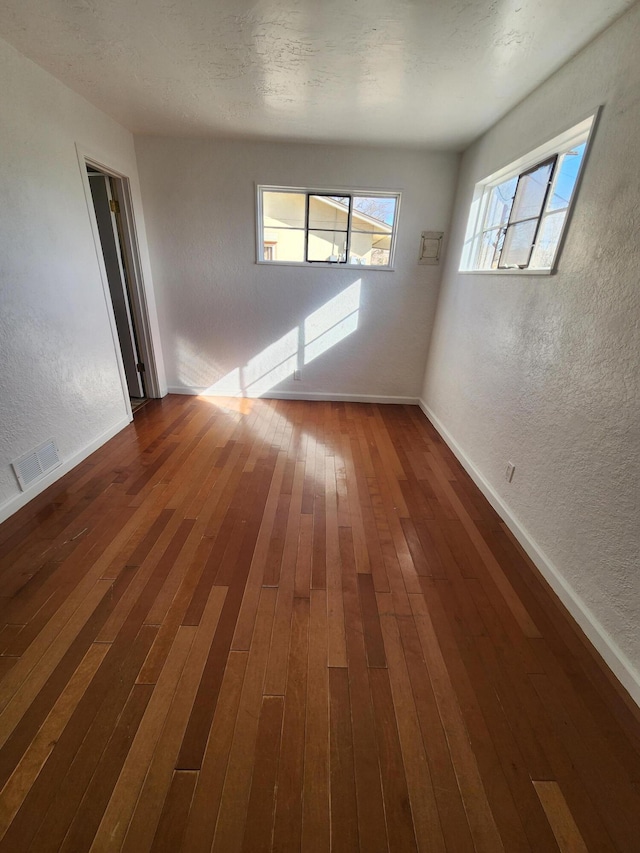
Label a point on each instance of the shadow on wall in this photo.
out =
(321, 330)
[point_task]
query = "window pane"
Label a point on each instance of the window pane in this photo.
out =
(543, 192)
(330, 212)
(305, 226)
(531, 191)
(327, 246)
(376, 210)
(517, 244)
(380, 257)
(366, 247)
(363, 226)
(284, 209)
(286, 244)
(547, 241)
(568, 169)
(490, 249)
(500, 204)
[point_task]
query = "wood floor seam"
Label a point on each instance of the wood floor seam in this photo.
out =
(269, 625)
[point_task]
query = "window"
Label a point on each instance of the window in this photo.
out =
(518, 215)
(328, 227)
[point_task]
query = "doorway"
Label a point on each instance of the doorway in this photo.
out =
(108, 197)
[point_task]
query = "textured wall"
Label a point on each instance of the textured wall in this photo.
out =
(59, 372)
(223, 316)
(544, 371)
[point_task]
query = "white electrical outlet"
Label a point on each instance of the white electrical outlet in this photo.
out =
(297, 375)
(509, 472)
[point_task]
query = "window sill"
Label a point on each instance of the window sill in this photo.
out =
(324, 266)
(507, 272)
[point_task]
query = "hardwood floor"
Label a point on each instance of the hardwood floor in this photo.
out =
(267, 625)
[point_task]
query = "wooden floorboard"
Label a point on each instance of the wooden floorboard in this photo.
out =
(278, 625)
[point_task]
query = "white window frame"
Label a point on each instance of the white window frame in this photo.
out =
(333, 191)
(560, 144)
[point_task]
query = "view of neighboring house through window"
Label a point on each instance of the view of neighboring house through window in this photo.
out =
(353, 228)
(518, 216)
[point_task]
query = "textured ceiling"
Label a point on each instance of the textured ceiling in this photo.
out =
(431, 73)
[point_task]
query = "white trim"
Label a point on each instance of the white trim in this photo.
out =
(83, 161)
(326, 265)
(15, 503)
(353, 191)
(582, 132)
(138, 284)
(536, 271)
(607, 648)
(291, 395)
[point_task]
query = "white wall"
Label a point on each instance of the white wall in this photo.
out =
(221, 314)
(544, 371)
(59, 374)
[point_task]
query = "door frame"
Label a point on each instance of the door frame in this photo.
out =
(119, 275)
(139, 303)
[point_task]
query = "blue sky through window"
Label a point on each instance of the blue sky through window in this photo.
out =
(379, 207)
(567, 176)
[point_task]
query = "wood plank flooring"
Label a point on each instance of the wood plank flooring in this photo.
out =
(269, 625)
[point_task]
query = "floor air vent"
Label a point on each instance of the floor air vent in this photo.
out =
(35, 464)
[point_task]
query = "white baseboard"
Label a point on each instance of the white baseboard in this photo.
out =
(304, 395)
(18, 501)
(613, 656)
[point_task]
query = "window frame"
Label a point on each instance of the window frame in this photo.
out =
(344, 192)
(580, 133)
